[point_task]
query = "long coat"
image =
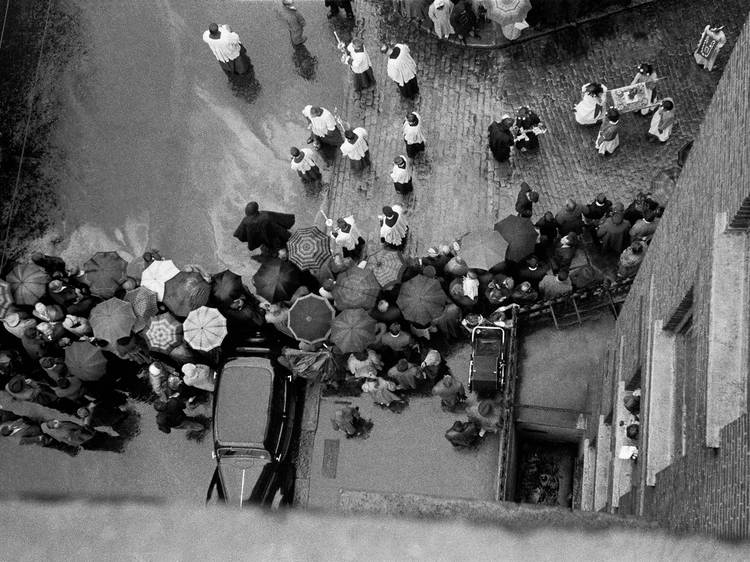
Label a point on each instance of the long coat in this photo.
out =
(501, 140)
(295, 22)
(265, 228)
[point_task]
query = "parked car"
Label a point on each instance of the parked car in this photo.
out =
(255, 405)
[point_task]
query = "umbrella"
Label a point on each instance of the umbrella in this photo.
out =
(312, 365)
(112, 319)
(520, 234)
(310, 318)
(421, 299)
(186, 291)
(28, 282)
(85, 361)
(277, 279)
(145, 305)
(226, 287)
(387, 266)
(158, 273)
(308, 248)
(205, 329)
(508, 12)
(164, 333)
(483, 249)
(6, 298)
(353, 330)
(104, 273)
(356, 288)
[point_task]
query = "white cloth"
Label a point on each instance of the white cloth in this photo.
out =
(401, 175)
(320, 126)
(441, 19)
(349, 239)
(402, 68)
(199, 376)
(226, 47)
(649, 86)
(395, 234)
(356, 150)
(471, 287)
(656, 121)
(586, 113)
(307, 162)
(413, 135)
(360, 61)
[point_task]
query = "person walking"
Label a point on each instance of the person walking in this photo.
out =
(401, 176)
(440, 14)
(356, 149)
(413, 136)
(337, 5)
(304, 164)
(528, 127)
(359, 61)
(294, 21)
(402, 69)
(589, 111)
(323, 126)
(264, 229)
(450, 391)
(526, 199)
(608, 138)
(662, 122)
(393, 226)
(646, 75)
(347, 237)
(501, 138)
(226, 46)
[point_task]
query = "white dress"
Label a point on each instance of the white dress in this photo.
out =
(402, 68)
(358, 149)
(306, 164)
(441, 19)
(349, 239)
(586, 109)
(226, 47)
(395, 234)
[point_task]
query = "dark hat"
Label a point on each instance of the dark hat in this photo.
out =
(532, 261)
(349, 134)
(16, 384)
(601, 198)
(394, 327)
(213, 31)
(399, 161)
(613, 115)
(534, 196)
(485, 408)
(251, 208)
(316, 111)
(294, 151)
(402, 365)
(361, 355)
(387, 211)
(412, 117)
(562, 274)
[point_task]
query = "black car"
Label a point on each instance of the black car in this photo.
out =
(255, 406)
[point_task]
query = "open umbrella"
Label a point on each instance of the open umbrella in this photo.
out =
(308, 248)
(186, 291)
(387, 266)
(104, 273)
(85, 361)
(164, 333)
(421, 299)
(145, 305)
(6, 298)
(226, 287)
(112, 319)
(277, 279)
(355, 288)
(353, 330)
(158, 273)
(310, 318)
(520, 234)
(508, 12)
(28, 282)
(483, 249)
(205, 328)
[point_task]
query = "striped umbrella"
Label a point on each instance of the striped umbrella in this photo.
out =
(186, 291)
(158, 273)
(310, 318)
(308, 248)
(85, 361)
(387, 266)
(205, 328)
(28, 282)
(164, 333)
(145, 305)
(353, 330)
(112, 319)
(104, 273)
(6, 298)
(355, 288)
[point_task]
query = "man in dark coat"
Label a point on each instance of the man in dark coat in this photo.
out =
(613, 234)
(337, 5)
(264, 229)
(533, 272)
(526, 199)
(501, 138)
(463, 19)
(547, 227)
(570, 219)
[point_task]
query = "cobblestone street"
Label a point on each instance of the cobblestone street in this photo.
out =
(458, 185)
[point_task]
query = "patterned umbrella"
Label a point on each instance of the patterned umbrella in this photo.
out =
(483, 249)
(145, 305)
(226, 287)
(353, 330)
(6, 298)
(355, 288)
(104, 273)
(421, 299)
(310, 318)
(308, 248)
(164, 333)
(186, 291)
(28, 282)
(520, 234)
(205, 329)
(387, 266)
(277, 279)
(85, 361)
(158, 273)
(508, 12)
(111, 320)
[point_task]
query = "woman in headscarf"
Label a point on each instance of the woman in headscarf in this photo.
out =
(348, 237)
(647, 75)
(440, 14)
(323, 126)
(304, 164)
(393, 227)
(589, 110)
(662, 122)
(359, 61)
(413, 136)
(401, 176)
(402, 69)
(608, 138)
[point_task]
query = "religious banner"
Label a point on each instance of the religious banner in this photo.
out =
(630, 98)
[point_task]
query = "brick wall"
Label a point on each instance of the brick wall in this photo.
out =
(704, 490)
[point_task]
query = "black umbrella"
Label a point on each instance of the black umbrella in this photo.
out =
(226, 287)
(277, 279)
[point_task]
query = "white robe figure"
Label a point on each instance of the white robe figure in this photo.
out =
(441, 18)
(590, 110)
(403, 70)
(662, 122)
(358, 149)
(306, 164)
(347, 240)
(394, 234)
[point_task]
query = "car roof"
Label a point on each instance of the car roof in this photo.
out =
(243, 402)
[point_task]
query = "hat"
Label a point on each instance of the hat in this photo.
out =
(13, 319)
(402, 365)
(601, 199)
(387, 211)
(349, 134)
(432, 252)
(154, 369)
(534, 196)
(213, 31)
(484, 408)
(399, 161)
(294, 151)
(505, 116)
(40, 311)
(394, 326)
(532, 262)
(54, 313)
(188, 369)
(445, 249)
(16, 384)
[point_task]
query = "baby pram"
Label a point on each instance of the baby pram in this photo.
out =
(487, 366)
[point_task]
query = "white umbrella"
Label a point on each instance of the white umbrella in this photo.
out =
(204, 329)
(158, 273)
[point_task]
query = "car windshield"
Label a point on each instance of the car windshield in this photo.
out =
(238, 453)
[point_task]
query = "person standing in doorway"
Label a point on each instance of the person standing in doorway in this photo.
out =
(294, 21)
(226, 46)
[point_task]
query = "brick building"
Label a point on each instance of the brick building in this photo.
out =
(682, 339)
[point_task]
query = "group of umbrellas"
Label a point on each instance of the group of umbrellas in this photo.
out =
(513, 238)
